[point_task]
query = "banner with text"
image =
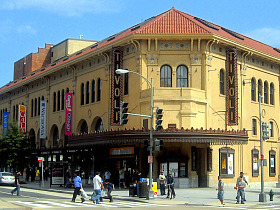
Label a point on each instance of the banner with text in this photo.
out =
(5, 122)
(43, 110)
(22, 118)
(68, 113)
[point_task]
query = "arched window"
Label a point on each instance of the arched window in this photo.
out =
(271, 97)
(87, 93)
(182, 73)
(99, 125)
(98, 89)
(84, 127)
(62, 99)
(165, 76)
(1, 117)
(259, 89)
(14, 112)
(253, 89)
(125, 84)
(58, 100)
(36, 105)
(254, 126)
(55, 137)
(39, 106)
(54, 101)
(222, 82)
(17, 112)
(93, 91)
(32, 107)
(265, 92)
(82, 94)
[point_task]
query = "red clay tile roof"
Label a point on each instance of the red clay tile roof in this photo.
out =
(170, 22)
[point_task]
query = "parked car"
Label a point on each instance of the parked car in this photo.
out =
(7, 178)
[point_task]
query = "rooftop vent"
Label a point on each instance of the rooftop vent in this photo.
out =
(93, 46)
(53, 64)
(111, 38)
(65, 59)
(33, 73)
(136, 27)
(204, 22)
(276, 49)
(232, 33)
(43, 69)
(78, 53)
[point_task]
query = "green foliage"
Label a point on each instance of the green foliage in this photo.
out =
(14, 148)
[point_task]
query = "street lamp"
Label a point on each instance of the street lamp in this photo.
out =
(124, 71)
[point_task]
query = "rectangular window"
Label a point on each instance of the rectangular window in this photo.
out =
(271, 129)
(226, 162)
(255, 164)
(125, 85)
(254, 126)
(193, 155)
(272, 164)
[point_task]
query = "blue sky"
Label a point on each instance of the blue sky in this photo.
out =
(26, 25)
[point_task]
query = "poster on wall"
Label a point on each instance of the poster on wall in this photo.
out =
(173, 168)
(68, 113)
(163, 167)
(5, 122)
(22, 118)
(57, 175)
(230, 164)
(272, 162)
(255, 164)
(43, 106)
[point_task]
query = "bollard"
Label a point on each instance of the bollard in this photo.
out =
(271, 194)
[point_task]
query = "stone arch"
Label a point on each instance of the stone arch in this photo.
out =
(82, 126)
(97, 124)
(54, 136)
(32, 138)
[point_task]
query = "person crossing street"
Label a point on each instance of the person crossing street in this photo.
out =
(78, 186)
(18, 173)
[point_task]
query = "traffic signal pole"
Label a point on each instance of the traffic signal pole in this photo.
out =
(262, 196)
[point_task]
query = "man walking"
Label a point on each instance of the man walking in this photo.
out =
(97, 186)
(78, 186)
(162, 179)
(221, 190)
(17, 184)
(170, 182)
(240, 190)
(244, 179)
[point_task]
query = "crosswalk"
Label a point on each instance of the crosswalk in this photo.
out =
(241, 207)
(66, 204)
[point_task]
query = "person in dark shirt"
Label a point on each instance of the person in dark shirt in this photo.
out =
(17, 184)
(170, 181)
(110, 187)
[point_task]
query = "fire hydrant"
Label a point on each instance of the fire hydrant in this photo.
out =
(271, 194)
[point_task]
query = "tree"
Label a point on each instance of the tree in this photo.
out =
(14, 148)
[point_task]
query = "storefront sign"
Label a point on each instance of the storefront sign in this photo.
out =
(22, 118)
(43, 106)
(150, 159)
(57, 175)
(5, 122)
(68, 113)
(122, 151)
(173, 168)
(116, 89)
(232, 87)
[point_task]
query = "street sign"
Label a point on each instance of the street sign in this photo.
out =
(262, 157)
(40, 158)
(150, 159)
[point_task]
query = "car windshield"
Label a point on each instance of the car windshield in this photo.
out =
(7, 174)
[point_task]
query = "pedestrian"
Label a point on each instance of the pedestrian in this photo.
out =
(18, 173)
(32, 173)
(221, 191)
(121, 180)
(27, 174)
(162, 179)
(240, 190)
(46, 174)
(136, 175)
(107, 175)
(244, 179)
(37, 178)
(78, 187)
(170, 182)
(97, 186)
(110, 187)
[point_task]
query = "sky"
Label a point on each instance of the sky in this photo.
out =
(26, 25)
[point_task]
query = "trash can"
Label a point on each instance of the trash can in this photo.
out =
(132, 190)
(143, 189)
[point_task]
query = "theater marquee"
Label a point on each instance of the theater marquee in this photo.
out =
(116, 90)
(232, 87)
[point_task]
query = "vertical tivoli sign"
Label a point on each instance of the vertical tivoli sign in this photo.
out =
(232, 87)
(116, 84)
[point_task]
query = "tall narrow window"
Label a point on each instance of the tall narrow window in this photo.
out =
(271, 97)
(1, 117)
(17, 112)
(98, 89)
(272, 163)
(58, 100)
(87, 93)
(54, 101)
(39, 105)
(265, 92)
(125, 85)
(14, 112)
(254, 126)
(93, 91)
(253, 89)
(271, 129)
(32, 107)
(62, 99)
(259, 89)
(182, 73)
(82, 94)
(165, 76)
(222, 82)
(36, 106)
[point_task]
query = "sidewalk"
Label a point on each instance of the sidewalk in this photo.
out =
(190, 196)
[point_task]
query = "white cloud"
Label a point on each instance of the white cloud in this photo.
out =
(64, 7)
(270, 36)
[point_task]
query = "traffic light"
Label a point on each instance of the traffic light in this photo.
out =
(158, 145)
(158, 119)
(123, 113)
(147, 144)
(265, 131)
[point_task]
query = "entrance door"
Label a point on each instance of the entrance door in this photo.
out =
(201, 167)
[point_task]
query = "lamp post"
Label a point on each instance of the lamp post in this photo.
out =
(124, 71)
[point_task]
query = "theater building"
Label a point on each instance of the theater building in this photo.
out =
(206, 78)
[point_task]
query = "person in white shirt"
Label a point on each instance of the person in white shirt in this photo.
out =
(97, 187)
(121, 181)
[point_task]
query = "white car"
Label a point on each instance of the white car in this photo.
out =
(7, 178)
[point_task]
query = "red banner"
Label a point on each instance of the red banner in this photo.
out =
(22, 118)
(68, 113)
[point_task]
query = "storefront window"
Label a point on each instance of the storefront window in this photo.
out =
(255, 165)
(226, 162)
(272, 171)
(178, 169)
(209, 159)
